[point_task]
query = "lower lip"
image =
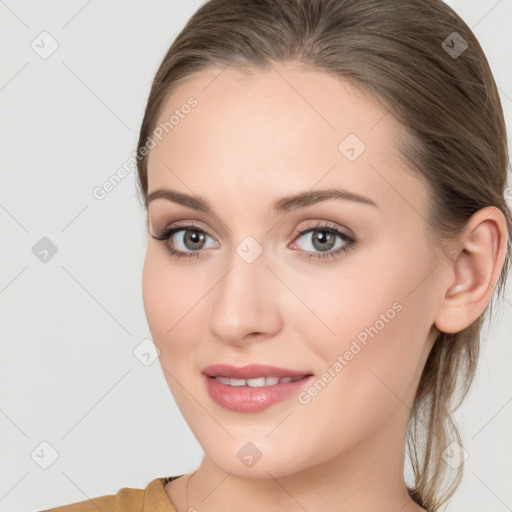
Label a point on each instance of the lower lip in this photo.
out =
(248, 399)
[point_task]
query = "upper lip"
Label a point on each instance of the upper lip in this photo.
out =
(251, 371)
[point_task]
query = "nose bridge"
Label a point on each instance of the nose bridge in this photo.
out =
(245, 299)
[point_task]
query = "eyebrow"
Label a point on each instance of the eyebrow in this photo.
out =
(282, 205)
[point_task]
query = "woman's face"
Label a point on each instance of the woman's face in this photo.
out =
(352, 312)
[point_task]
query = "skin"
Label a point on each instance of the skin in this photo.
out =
(251, 140)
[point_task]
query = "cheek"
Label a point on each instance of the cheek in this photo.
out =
(377, 354)
(165, 301)
(155, 281)
(172, 303)
(383, 300)
(164, 297)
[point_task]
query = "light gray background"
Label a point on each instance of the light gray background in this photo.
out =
(69, 326)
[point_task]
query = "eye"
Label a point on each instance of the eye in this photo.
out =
(322, 237)
(188, 244)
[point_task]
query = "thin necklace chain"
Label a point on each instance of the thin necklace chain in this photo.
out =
(188, 480)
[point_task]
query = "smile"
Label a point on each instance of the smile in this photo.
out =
(255, 392)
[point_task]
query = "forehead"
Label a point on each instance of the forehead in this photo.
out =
(276, 105)
(285, 127)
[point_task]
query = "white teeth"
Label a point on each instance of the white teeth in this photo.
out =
(257, 382)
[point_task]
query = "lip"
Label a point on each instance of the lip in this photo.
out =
(251, 371)
(248, 399)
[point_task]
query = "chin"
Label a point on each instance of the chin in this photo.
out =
(258, 458)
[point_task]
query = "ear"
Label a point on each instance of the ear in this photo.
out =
(473, 271)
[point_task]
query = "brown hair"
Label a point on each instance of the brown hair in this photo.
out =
(403, 53)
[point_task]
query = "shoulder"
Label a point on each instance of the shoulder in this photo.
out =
(127, 499)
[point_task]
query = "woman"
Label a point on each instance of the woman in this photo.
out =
(274, 127)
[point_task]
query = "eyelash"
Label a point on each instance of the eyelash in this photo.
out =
(166, 234)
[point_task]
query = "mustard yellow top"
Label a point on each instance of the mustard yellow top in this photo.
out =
(151, 499)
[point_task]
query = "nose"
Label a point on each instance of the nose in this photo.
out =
(245, 303)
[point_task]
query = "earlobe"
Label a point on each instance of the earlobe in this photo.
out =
(474, 272)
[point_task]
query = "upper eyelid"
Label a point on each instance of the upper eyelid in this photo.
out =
(324, 224)
(177, 225)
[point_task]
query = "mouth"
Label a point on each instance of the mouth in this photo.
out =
(254, 387)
